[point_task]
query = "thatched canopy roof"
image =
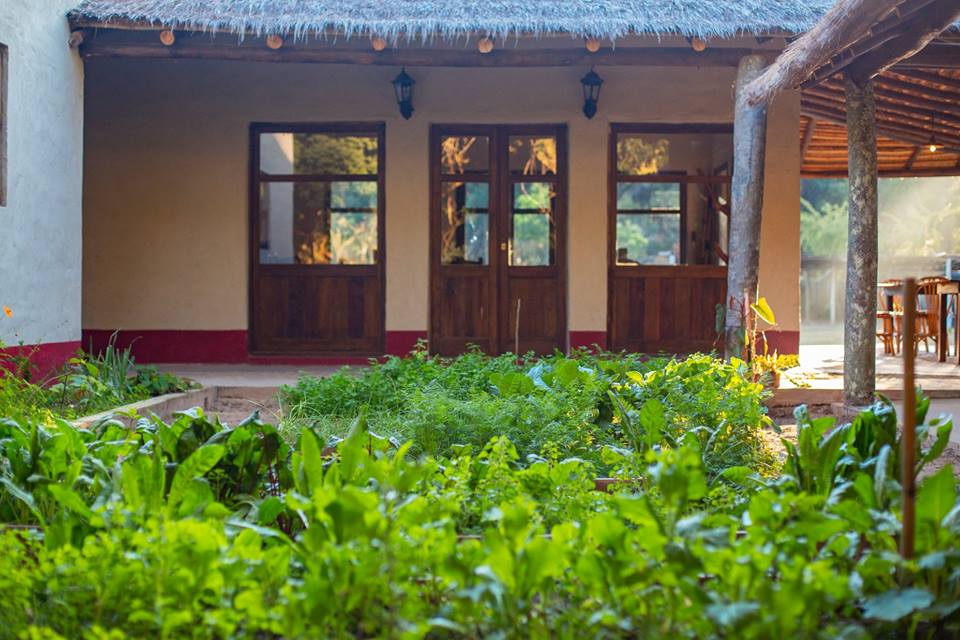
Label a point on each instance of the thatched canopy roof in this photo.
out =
(450, 19)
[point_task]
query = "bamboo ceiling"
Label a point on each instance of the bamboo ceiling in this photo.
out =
(915, 109)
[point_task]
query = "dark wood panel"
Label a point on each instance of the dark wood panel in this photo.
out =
(665, 309)
(542, 326)
(464, 311)
(316, 314)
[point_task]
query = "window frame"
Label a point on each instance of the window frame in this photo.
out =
(683, 179)
(257, 179)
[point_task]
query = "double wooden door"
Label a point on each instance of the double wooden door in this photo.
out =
(497, 238)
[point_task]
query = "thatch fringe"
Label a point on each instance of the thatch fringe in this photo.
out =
(450, 20)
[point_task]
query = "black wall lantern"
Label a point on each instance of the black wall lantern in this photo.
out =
(591, 92)
(403, 87)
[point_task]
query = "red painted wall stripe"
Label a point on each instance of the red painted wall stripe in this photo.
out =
(46, 357)
(221, 347)
(400, 343)
(230, 346)
(588, 339)
(783, 342)
(170, 345)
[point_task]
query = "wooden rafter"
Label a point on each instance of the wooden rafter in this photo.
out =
(917, 32)
(846, 23)
(860, 37)
(912, 159)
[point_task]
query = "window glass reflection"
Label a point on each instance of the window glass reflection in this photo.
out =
(648, 196)
(532, 216)
(648, 239)
(462, 155)
(317, 154)
(464, 223)
(533, 155)
(318, 223)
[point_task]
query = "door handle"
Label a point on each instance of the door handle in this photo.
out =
(503, 246)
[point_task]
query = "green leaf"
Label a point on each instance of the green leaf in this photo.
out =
(937, 496)
(939, 444)
(268, 510)
(763, 311)
(896, 603)
(70, 500)
(23, 496)
(653, 421)
(311, 460)
(199, 463)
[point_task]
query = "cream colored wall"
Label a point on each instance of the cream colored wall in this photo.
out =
(166, 190)
(780, 231)
(40, 224)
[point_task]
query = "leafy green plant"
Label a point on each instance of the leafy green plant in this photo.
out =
(554, 407)
(193, 528)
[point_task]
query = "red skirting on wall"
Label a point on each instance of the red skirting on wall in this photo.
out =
(170, 345)
(588, 339)
(46, 357)
(783, 342)
(230, 346)
(224, 347)
(400, 343)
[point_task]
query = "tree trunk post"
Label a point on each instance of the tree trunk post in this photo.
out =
(749, 151)
(860, 313)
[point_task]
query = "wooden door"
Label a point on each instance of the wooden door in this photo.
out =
(498, 251)
(317, 240)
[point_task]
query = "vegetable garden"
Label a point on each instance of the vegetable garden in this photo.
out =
(458, 499)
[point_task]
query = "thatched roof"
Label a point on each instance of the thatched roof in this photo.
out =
(451, 19)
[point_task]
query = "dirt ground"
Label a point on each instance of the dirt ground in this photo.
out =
(233, 409)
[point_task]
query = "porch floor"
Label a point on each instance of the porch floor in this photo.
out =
(247, 375)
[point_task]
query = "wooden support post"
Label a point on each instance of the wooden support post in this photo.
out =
(909, 438)
(749, 152)
(860, 315)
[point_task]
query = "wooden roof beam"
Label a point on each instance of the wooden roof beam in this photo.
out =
(913, 158)
(894, 129)
(926, 76)
(917, 34)
(934, 96)
(894, 103)
(843, 25)
(808, 137)
(936, 124)
(254, 50)
(934, 56)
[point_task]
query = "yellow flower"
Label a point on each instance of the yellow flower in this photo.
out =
(8, 311)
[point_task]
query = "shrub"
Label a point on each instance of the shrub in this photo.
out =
(555, 407)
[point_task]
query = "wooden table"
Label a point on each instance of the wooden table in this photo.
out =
(944, 291)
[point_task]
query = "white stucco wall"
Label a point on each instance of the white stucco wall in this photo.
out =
(167, 161)
(40, 227)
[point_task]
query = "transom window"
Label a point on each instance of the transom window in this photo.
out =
(319, 194)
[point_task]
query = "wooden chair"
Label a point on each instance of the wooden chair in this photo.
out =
(887, 315)
(928, 312)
